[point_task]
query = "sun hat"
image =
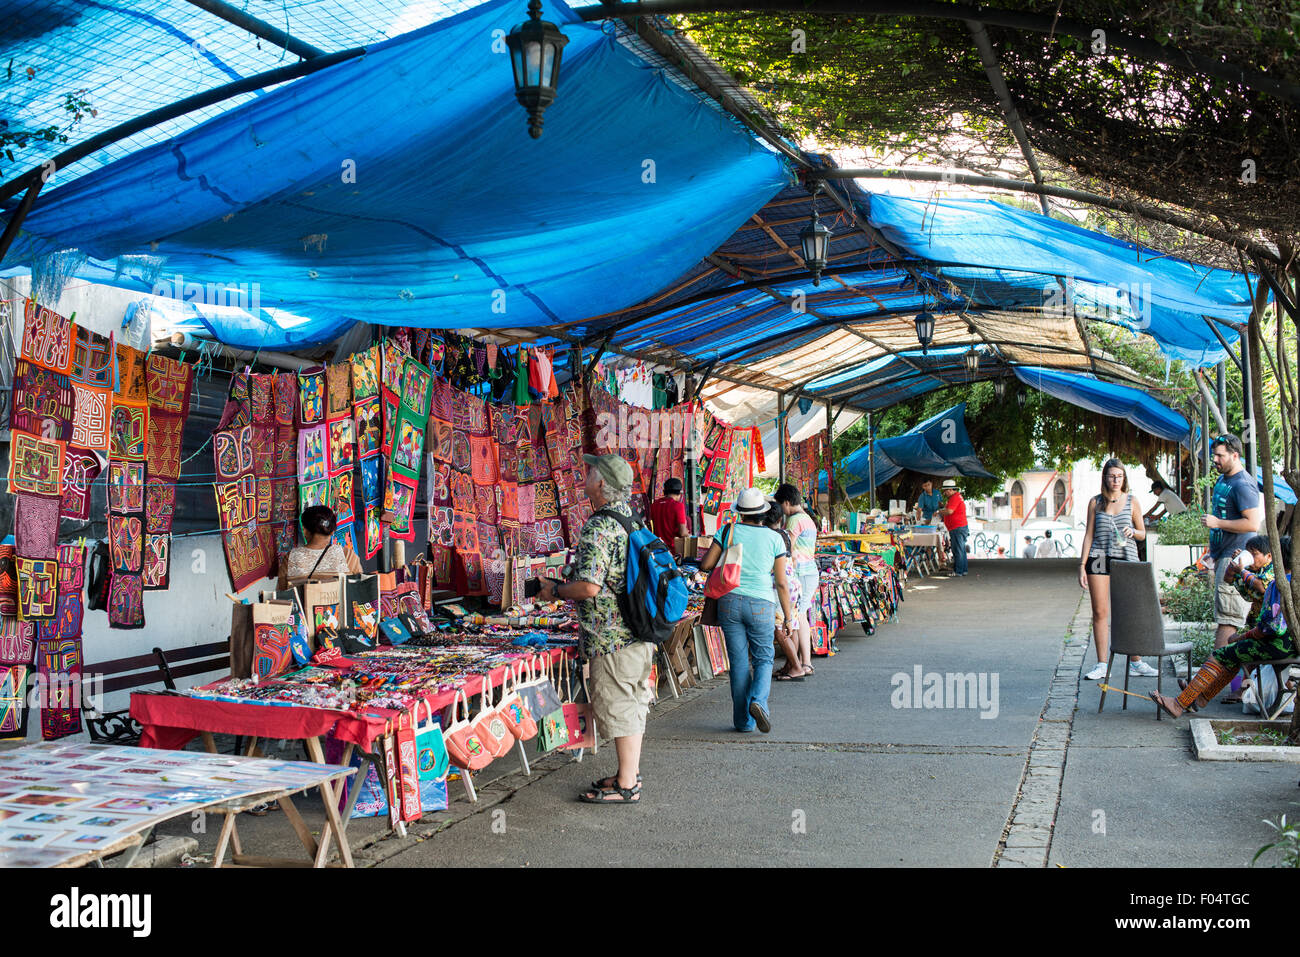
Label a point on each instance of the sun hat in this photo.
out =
(948, 483)
(751, 502)
(613, 469)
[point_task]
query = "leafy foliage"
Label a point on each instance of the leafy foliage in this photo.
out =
(1287, 844)
(1189, 598)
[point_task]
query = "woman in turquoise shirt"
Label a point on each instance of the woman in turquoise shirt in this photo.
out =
(747, 614)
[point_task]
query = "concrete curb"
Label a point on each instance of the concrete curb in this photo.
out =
(1208, 748)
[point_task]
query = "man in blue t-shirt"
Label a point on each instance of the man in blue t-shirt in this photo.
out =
(1235, 515)
(928, 503)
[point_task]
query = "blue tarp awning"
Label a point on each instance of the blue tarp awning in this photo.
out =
(1108, 398)
(938, 446)
(1281, 489)
(402, 187)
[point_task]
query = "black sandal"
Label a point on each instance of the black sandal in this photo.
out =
(612, 796)
(605, 784)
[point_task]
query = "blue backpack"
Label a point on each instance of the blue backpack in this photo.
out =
(655, 596)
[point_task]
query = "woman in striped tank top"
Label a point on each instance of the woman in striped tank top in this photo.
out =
(1114, 529)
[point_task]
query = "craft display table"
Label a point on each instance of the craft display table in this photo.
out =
(68, 805)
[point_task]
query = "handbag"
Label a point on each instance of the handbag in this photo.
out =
(726, 574)
(408, 777)
(544, 704)
(272, 638)
(241, 641)
(513, 710)
(464, 746)
(431, 758)
(489, 724)
(392, 631)
(579, 720)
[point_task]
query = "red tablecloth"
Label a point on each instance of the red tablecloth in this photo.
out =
(171, 721)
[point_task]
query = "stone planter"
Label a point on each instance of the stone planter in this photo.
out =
(1168, 558)
(1205, 740)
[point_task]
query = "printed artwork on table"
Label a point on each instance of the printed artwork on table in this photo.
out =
(389, 405)
(36, 526)
(92, 359)
(285, 396)
(38, 588)
(338, 388)
(417, 383)
(367, 426)
(59, 668)
(168, 384)
(131, 380)
(394, 363)
(126, 542)
(341, 496)
(47, 338)
(311, 397)
(313, 493)
(125, 601)
(35, 465)
(311, 454)
(125, 486)
(159, 505)
(365, 373)
(371, 490)
(157, 562)
(341, 445)
(127, 431)
(272, 654)
(90, 413)
(409, 448)
(42, 402)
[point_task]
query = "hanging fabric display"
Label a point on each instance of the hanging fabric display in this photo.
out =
(17, 665)
(249, 547)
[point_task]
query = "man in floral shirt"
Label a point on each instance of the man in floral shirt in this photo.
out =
(619, 663)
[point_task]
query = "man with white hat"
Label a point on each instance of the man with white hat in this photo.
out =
(619, 663)
(954, 519)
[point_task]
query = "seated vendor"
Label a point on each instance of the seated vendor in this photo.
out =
(929, 502)
(1253, 574)
(1268, 640)
(320, 554)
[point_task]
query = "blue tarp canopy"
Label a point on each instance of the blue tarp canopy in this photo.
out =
(1020, 254)
(1109, 399)
(938, 446)
(1280, 487)
(402, 187)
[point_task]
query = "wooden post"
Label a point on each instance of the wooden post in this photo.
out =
(871, 460)
(830, 479)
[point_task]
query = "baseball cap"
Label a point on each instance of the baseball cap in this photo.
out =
(613, 469)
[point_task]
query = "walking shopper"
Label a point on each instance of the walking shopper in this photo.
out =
(1029, 550)
(1236, 512)
(803, 535)
(747, 614)
(668, 516)
(954, 519)
(785, 634)
(1114, 527)
(1048, 547)
(620, 665)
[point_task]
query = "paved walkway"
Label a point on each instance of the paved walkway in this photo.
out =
(848, 777)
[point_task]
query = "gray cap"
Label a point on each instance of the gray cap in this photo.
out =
(613, 469)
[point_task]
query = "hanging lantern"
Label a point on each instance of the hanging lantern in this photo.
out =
(972, 362)
(924, 330)
(1020, 398)
(536, 46)
(816, 241)
(1000, 389)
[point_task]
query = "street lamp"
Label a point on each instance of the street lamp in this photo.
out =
(1020, 398)
(1000, 389)
(972, 362)
(924, 330)
(816, 240)
(536, 46)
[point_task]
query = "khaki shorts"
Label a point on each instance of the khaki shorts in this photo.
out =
(620, 696)
(1229, 607)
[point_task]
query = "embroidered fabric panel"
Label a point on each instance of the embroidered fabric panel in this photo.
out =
(342, 454)
(261, 403)
(168, 384)
(312, 444)
(338, 379)
(394, 361)
(244, 503)
(417, 383)
(17, 665)
(90, 416)
(374, 532)
(367, 427)
(36, 526)
(42, 402)
(126, 542)
(159, 505)
(371, 489)
(389, 405)
(408, 447)
(59, 665)
(38, 588)
(399, 508)
(35, 465)
(125, 601)
(8, 581)
(128, 431)
(92, 359)
(285, 396)
(311, 397)
(126, 486)
(47, 338)
(365, 373)
(341, 497)
(157, 562)
(131, 380)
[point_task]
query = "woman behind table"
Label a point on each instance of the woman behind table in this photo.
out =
(321, 555)
(747, 614)
(803, 537)
(1114, 528)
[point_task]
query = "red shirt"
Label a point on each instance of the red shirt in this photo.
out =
(667, 515)
(958, 517)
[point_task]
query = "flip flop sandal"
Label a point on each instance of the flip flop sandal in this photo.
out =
(785, 677)
(612, 796)
(605, 784)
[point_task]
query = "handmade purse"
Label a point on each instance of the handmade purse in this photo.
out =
(543, 703)
(491, 727)
(513, 710)
(393, 631)
(464, 746)
(431, 756)
(579, 720)
(726, 574)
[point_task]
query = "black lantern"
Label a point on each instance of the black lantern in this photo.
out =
(972, 362)
(1020, 398)
(536, 46)
(816, 241)
(1000, 389)
(924, 330)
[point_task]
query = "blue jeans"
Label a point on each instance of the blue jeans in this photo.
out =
(748, 624)
(959, 536)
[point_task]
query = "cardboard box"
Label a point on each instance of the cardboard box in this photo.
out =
(693, 546)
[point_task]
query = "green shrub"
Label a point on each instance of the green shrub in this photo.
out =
(1190, 597)
(1202, 639)
(1287, 845)
(1183, 529)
